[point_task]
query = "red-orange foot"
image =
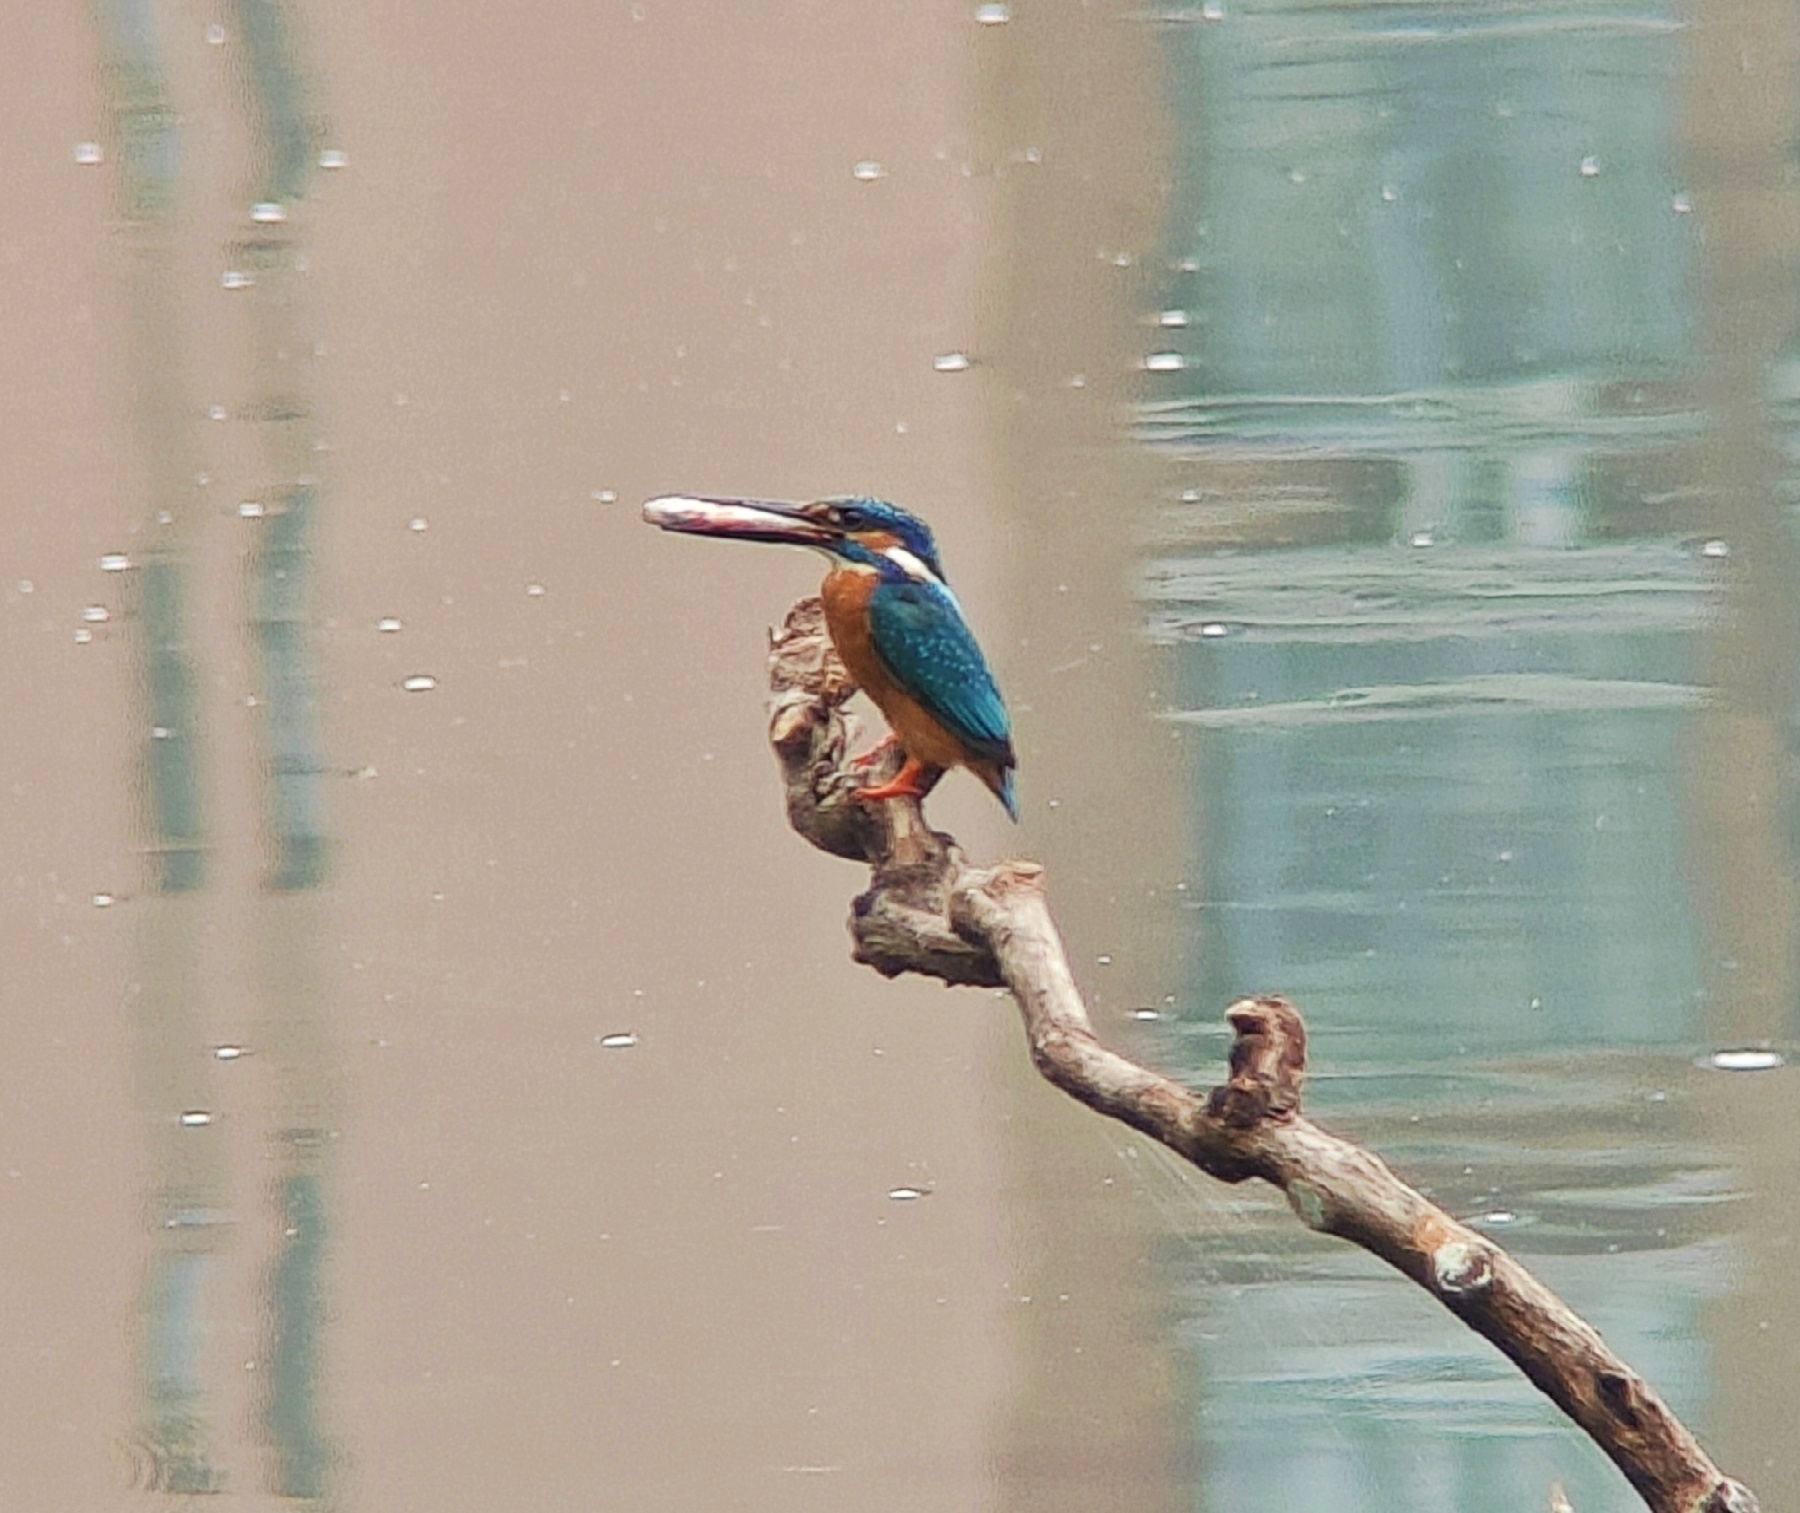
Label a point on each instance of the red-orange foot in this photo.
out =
(876, 752)
(905, 784)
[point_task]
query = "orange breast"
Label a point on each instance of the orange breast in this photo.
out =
(845, 596)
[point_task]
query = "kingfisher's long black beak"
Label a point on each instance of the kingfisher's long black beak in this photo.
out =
(741, 519)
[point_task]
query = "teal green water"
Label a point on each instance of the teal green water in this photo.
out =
(1446, 587)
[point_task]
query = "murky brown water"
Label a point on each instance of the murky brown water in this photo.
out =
(431, 1240)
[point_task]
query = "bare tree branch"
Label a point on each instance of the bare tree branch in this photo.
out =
(928, 911)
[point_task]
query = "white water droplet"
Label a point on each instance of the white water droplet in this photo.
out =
(89, 153)
(1422, 539)
(420, 683)
(1715, 548)
(236, 278)
(868, 170)
(105, 900)
(194, 1118)
(96, 614)
(908, 1194)
(951, 362)
(1746, 1059)
(388, 624)
(114, 562)
(215, 35)
(1213, 630)
(993, 14)
(1164, 362)
(1172, 319)
(334, 157)
(227, 1052)
(268, 213)
(622, 1040)
(251, 509)
(1682, 205)
(1590, 167)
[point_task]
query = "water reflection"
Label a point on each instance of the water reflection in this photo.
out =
(1445, 578)
(183, 1443)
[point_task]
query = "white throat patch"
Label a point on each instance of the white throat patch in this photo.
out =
(913, 566)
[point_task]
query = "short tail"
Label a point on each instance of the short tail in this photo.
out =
(1002, 784)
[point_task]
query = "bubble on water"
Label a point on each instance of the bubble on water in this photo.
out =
(951, 362)
(388, 624)
(236, 278)
(227, 1052)
(96, 614)
(1682, 205)
(195, 1118)
(1494, 1218)
(908, 1194)
(1164, 362)
(83, 635)
(1212, 11)
(1422, 539)
(422, 682)
(1296, 175)
(26, 586)
(868, 170)
(268, 213)
(1590, 167)
(215, 35)
(114, 562)
(1146, 1014)
(251, 509)
(620, 1040)
(1746, 1059)
(217, 412)
(535, 590)
(1172, 319)
(105, 900)
(605, 496)
(1213, 630)
(1715, 548)
(89, 153)
(993, 14)
(1389, 193)
(334, 157)
(418, 523)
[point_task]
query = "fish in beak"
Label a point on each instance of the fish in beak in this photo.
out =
(741, 519)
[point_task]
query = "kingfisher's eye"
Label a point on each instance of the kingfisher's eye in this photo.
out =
(851, 518)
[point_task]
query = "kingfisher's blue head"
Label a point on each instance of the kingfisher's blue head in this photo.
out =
(867, 533)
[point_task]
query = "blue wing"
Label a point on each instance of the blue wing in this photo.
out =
(920, 635)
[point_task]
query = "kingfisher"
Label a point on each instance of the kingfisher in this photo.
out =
(895, 623)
